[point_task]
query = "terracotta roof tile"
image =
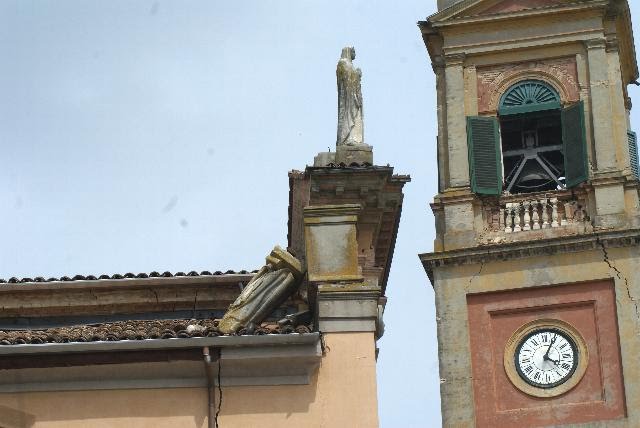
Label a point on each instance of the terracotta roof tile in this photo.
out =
(134, 330)
(129, 275)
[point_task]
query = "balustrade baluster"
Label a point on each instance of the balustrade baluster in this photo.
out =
(554, 212)
(508, 220)
(564, 219)
(526, 205)
(545, 213)
(536, 216)
(516, 218)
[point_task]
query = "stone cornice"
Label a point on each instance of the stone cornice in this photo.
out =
(346, 210)
(347, 291)
(107, 297)
(519, 250)
(459, 195)
(448, 17)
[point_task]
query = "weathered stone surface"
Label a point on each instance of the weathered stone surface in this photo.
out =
(331, 243)
(278, 279)
(350, 116)
(360, 154)
(494, 80)
(324, 159)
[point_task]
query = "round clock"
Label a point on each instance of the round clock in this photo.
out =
(545, 358)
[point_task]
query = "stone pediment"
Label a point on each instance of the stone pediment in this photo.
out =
(482, 8)
(518, 5)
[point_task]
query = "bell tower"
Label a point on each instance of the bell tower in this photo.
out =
(536, 261)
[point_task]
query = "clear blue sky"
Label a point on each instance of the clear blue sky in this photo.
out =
(157, 135)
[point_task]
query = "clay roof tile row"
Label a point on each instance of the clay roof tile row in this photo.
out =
(129, 275)
(134, 330)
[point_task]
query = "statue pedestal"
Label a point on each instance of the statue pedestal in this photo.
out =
(360, 153)
(324, 159)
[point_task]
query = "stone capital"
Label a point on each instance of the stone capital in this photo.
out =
(452, 60)
(592, 44)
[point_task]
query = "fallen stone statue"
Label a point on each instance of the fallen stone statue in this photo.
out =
(269, 288)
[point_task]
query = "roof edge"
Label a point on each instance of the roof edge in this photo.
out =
(156, 344)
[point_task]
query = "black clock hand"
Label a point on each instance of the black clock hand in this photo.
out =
(546, 354)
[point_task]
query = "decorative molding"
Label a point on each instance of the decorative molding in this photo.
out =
(559, 73)
(524, 95)
(520, 250)
(347, 307)
(510, 6)
(452, 60)
(592, 44)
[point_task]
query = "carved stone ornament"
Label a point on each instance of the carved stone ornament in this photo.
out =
(269, 288)
(560, 73)
(350, 118)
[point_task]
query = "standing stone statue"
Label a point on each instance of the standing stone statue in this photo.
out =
(351, 149)
(350, 126)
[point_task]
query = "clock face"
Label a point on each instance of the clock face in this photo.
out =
(546, 358)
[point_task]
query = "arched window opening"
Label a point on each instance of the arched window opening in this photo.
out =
(531, 128)
(533, 145)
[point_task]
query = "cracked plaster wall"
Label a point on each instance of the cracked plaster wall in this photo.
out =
(453, 283)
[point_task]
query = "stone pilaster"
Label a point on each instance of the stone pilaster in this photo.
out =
(443, 152)
(609, 131)
(344, 301)
(456, 121)
(601, 110)
(618, 109)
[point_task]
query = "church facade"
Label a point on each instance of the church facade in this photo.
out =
(536, 260)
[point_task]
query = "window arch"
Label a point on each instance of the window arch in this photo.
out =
(528, 96)
(532, 145)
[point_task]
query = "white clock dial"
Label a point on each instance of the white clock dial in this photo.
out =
(546, 358)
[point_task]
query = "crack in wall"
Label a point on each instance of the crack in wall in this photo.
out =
(155, 293)
(476, 275)
(219, 407)
(195, 303)
(620, 276)
(323, 345)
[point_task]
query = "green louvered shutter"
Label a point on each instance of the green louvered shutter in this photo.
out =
(485, 166)
(633, 153)
(576, 165)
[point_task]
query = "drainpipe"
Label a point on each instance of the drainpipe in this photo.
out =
(209, 370)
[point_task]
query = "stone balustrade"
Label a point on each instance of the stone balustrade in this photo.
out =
(532, 214)
(535, 212)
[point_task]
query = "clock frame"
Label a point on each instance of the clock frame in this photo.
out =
(568, 382)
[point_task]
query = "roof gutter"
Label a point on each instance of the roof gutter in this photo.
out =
(159, 344)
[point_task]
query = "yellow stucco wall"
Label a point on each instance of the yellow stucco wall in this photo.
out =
(341, 394)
